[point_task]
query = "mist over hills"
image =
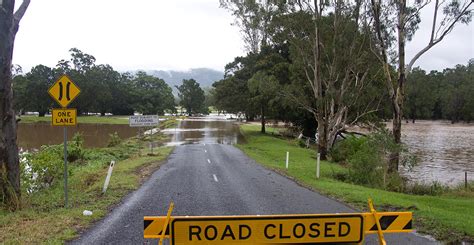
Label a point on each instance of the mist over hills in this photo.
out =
(204, 76)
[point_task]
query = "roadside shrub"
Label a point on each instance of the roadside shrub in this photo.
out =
(114, 140)
(75, 148)
(41, 169)
(368, 160)
(346, 148)
(365, 166)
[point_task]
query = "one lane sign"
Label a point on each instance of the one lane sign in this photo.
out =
(64, 117)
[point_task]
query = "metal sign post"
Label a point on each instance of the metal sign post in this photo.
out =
(64, 91)
(65, 167)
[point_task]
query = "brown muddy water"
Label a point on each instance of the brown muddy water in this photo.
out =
(444, 150)
(34, 135)
(205, 130)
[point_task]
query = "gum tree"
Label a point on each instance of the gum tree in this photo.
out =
(9, 161)
(394, 23)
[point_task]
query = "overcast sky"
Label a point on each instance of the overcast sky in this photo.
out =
(167, 34)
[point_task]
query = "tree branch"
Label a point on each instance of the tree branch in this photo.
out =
(435, 16)
(21, 11)
(436, 40)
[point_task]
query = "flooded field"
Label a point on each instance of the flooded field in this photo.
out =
(34, 135)
(445, 151)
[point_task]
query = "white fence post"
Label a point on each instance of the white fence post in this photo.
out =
(107, 179)
(317, 165)
(287, 158)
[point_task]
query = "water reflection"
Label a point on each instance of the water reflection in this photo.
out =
(444, 150)
(205, 130)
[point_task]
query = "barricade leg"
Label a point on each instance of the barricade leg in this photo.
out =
(379, 228)
(165, 226)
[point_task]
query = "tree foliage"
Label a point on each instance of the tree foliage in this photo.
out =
(441, 95)
(103, 90)
(192, 97)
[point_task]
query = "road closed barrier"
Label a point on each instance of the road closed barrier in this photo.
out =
(274, 229)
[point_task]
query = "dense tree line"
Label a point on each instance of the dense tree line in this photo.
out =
(103, 90)
(441, 95)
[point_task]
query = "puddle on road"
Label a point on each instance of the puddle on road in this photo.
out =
(205, 130)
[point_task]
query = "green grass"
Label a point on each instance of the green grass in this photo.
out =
(43, 218)
(448, 217)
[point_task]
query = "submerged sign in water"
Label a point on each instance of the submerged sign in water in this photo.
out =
(143, 121)
(268, 229)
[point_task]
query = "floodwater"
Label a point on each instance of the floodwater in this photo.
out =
(207, 130)
(445, 151)
(34, 135)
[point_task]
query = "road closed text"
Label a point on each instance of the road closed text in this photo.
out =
(292, 229)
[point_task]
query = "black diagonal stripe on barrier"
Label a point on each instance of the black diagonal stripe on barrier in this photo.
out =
(385, 222)
(167, 233)
(147, 223)
(408, 226)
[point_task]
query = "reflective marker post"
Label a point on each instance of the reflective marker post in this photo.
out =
(317, 165)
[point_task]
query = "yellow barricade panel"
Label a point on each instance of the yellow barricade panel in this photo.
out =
(153, 227)
(268, 229)
(253, 229)
(389, 222)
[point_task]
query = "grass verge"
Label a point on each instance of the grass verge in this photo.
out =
(43, 218)
(449, 217)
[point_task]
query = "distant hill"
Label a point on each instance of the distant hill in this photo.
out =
(204, 76)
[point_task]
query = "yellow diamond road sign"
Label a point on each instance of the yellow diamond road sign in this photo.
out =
(64, 91)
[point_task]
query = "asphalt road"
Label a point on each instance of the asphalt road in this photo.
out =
(215, 179)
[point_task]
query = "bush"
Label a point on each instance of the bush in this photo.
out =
(41, 169)
(346, 148)
(75, 148)
(367, 158)
(369, 164)
(114, 140)
(365, 166)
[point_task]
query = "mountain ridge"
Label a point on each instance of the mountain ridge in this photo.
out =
(204, 76)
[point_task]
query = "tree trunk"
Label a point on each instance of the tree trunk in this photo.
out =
(397, 101)
(322, 137)
(10, 167)
(397, 132)
(263, 120)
